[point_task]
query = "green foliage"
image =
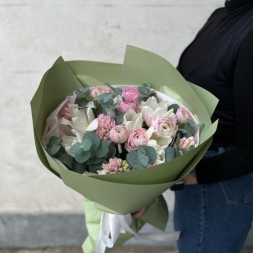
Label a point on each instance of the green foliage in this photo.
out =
(117, 91)
(54, 145)
(85, 89)
(170, 153)
(119, 118)
(175, 107)
(141, 157)
(147, 84)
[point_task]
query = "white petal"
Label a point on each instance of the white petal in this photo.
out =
(101, 172)
(163, 104)
(117, 99)
(151, 102)
(159, 112)
(129, 125)
(146, 109)
(152, 143)
(67, 140)
(169, 113)
(78, 135)
(90, 114)
(138, 122)
(92, 126)
(66, 122)
(164, 142)
(91, 104)
(149, 132)
(79, 125)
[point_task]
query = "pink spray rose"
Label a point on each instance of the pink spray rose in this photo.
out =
(185, 143)
(119, 134)
(65, 111)
(126, 105)
(131, 94)
(182, 115)
(136, 138)
(96, 91)
(165, 126)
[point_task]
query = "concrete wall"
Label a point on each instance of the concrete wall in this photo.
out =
(33, 33)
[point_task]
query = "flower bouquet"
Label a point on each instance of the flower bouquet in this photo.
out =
(123, 144)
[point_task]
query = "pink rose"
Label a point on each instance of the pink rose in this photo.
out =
(131, 94)
(136, 138)
(165, 126)
(182, 115)
(96, 91)
(126, 105)
(185, 143)
(119, 134)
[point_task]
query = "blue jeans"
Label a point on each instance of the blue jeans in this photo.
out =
(214, 218)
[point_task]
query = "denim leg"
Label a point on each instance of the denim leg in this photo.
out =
(214, 218)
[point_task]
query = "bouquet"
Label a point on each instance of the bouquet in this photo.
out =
(128, 133)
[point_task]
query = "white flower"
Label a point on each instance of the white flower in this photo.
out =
(132, 120)
(68, 142)
(160, 157)
(151, 110)
(81, 123)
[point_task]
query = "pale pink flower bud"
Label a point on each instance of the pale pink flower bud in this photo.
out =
(165, 126)
(126, 105)
(185, 143)
(119, 134)
(131, 94)
(96, 91)
(183, 115)
(136, 138)
(105, 124)
(65, 111)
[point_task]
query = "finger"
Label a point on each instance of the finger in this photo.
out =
(138, 213)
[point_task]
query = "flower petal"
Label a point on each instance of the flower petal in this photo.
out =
(92, 126)
(66, 122)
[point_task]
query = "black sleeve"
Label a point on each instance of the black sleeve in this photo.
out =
(239, 161)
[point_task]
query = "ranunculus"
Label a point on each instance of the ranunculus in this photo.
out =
(119, 134)
(131, 94)
(136, 138)
(182, 115)
(126, 105)
(185, 143)
(165, 126)
(96, 91)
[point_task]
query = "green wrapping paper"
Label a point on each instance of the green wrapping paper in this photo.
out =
(123, 193)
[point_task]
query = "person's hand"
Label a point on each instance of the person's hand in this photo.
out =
(139, 213)
(190, 179)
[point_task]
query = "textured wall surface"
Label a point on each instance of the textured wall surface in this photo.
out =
(33, 34)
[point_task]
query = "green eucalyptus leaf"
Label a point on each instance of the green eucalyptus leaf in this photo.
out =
(191, 122)
(66, 159)
(170, 153)
(177, 140)
(102, 150)
(144, 160)
(141, 151)
(147, 84)
(133, 160)
(175, 107)
(94, 138)
(150, 152)
(152, 95)
(119, 118)
(112, 152)
(83, 157)
(88, 98)
(182, 130)
(189, 130)
(76, 149)
(54, 141)
(143, 90)
(53, 150)
(85, 89)
(94, 160)
(94, 167)
(86, 144)
(79, 167)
